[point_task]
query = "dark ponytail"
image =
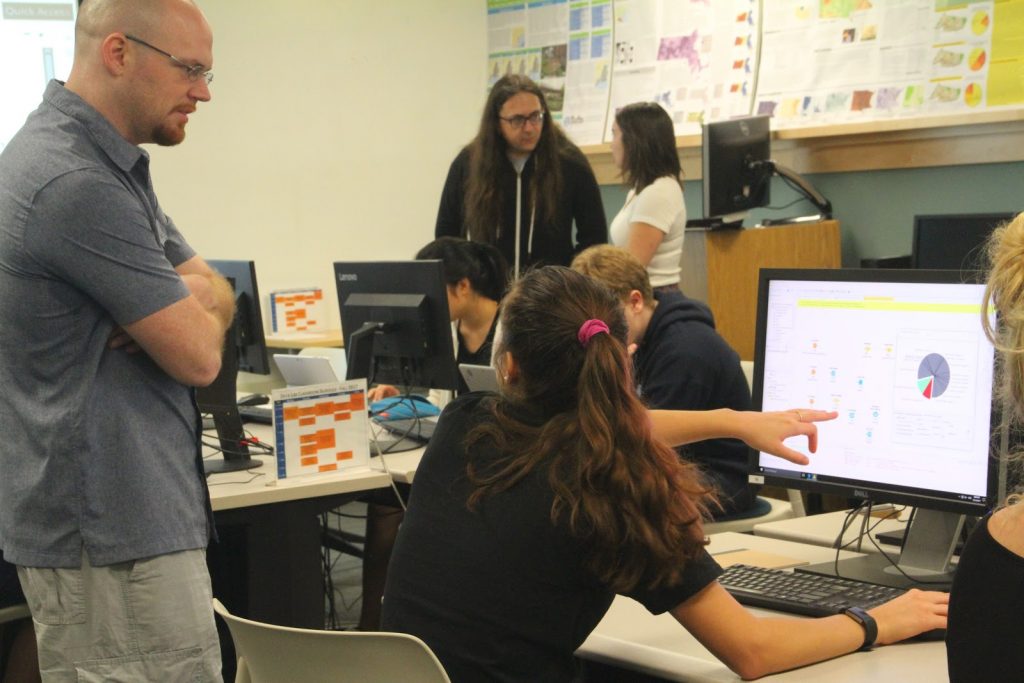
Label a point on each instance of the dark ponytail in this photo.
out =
(572, 410)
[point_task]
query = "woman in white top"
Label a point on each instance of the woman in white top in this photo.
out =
(652, 222)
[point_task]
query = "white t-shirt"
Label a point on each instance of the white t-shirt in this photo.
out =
(661, 206)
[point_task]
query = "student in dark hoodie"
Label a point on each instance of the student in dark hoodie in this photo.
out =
(680, 363)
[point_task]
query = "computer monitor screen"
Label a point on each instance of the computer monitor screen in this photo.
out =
(902, 357)
(395, 322)
(244, 349)
(736, 179)
(953, 241)
(247, 333)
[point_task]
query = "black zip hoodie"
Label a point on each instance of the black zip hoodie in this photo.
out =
(682, 363)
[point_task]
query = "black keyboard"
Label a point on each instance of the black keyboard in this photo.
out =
(259, 414)
(813, 595)
(412, 428)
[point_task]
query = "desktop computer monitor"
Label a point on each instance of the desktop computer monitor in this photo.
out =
(737, 167)
(395, 323)
(953, 241)
(901, 355)
(735, 181)
(244, 349)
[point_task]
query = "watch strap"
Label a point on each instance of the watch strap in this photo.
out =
(867, 622)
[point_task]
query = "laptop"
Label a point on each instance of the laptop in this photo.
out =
(479, 377)
(300, 371)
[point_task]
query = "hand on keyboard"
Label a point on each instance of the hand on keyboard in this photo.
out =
(900, 614)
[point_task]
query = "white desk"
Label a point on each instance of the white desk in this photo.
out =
(632, 638)
(267, 565)
(259, 486)
(823, 530)
(325, 339)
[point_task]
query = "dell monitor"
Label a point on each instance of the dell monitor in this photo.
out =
(737, 168)
(244, 349)
(953, 241)
(901, 355)
(394, 319)
(734, 180)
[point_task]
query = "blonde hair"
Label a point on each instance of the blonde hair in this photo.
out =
(616, 269)
(1005, 292)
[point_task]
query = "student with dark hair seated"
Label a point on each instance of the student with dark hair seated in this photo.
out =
(680, 363)
(18, 660)
(533, 507)
(475, 276)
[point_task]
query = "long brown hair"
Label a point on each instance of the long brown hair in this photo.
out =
(571, 409)
(649, 143)
(488, 154)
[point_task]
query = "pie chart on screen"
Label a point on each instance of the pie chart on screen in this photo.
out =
(933, 376)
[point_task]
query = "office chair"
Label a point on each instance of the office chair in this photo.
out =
(270, 654)
(13, 613)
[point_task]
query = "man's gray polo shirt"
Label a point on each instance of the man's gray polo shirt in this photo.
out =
(99, 446)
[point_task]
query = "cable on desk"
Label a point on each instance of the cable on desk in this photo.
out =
(254, 477)
(839, 545)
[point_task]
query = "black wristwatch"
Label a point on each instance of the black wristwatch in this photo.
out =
(867, 622)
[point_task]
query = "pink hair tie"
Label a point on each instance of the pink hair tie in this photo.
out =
(589, 329)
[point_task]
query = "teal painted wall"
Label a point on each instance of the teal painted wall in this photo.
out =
(876, 209)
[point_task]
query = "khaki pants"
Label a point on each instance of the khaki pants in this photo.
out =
(146, 620)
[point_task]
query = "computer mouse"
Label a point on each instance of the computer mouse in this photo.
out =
(253, 400)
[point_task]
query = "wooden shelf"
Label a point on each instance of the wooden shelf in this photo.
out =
(982, 138)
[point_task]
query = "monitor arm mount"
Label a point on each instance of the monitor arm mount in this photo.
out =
(797, 182)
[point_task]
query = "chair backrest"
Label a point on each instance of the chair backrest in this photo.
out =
(270, 654)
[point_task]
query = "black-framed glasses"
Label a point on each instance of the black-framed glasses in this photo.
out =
(519, 120)
(193, 71)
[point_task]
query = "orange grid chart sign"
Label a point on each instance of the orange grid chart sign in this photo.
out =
(297, 311)
(321, 429)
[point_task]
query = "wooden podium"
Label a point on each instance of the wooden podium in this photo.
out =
(721, 268)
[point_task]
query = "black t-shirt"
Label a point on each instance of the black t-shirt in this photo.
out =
(499, 594)
(985, 632)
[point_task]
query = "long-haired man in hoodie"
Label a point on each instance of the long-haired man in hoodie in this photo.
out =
(521, 185)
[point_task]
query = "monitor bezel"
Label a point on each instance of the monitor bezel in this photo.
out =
(879, 493)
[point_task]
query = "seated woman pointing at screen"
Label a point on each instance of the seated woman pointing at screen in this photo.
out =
(533, 507)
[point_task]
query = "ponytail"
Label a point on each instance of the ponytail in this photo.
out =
(572, 411)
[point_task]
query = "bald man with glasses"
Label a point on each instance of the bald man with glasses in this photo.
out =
(108, 320)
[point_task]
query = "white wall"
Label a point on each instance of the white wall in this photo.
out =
(329, 135)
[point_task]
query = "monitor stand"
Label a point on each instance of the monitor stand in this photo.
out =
(219, 400)
(716, 223)
(925, 560)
